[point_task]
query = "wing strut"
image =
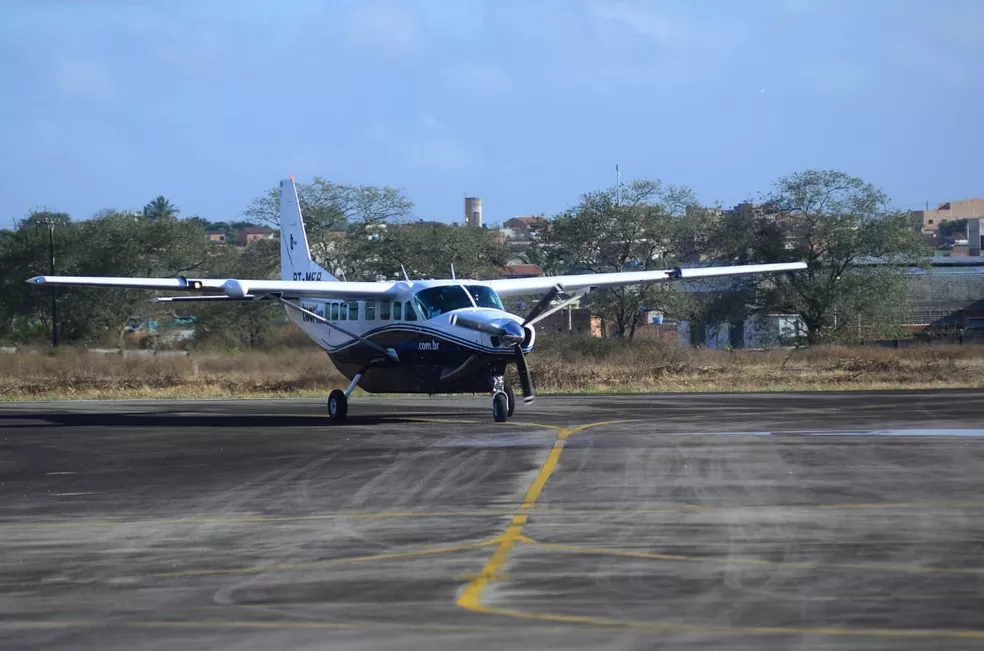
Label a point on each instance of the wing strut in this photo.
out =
(389, 352)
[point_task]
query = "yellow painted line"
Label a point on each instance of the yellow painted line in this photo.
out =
(680, 627)
(260, 569)
(519, 423)
(442, 420)
(368, 515)
(264, 519)
(280, 625)
(877, 567)
(471, 596)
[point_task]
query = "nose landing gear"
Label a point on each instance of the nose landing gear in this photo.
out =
(503, 400)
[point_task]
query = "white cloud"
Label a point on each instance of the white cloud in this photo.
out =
(426, 144)
(838, 77)
(383, 28)
(83, 79)
(484, 81)
(428, 121)
(653, 22)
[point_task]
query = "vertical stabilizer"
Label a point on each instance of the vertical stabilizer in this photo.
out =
(295, 255)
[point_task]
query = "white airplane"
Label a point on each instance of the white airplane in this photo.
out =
(409, 336)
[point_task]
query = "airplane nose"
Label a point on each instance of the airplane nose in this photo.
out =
(512, 332)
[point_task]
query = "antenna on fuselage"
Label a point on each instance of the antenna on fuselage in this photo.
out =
(452, 272)
(405, 273)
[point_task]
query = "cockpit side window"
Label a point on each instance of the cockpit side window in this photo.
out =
(435, 301)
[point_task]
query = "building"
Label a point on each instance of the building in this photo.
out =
(949, 211)
(217, 237)
(522, 271)
(473, 212)
(520, 228)
(255, 233)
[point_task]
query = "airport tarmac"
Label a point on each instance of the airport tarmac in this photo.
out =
(736, 521)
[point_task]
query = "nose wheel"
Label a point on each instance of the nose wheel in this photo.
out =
(503, 400)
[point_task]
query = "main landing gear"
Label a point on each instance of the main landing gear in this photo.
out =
(503, 400)
(338, 400)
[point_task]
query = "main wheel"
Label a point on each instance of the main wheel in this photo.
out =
(500, 407)
(511, 396)
(337, 405)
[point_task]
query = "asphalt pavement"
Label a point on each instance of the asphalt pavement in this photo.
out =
(733, 521)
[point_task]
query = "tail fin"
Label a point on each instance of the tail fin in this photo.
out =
(295, 256)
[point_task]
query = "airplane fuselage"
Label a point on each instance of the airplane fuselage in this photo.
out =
(429, 354)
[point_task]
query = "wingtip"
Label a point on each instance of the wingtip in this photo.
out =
(36, 280)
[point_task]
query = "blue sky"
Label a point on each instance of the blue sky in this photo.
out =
(525, 103)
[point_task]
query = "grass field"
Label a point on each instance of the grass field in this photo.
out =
(560, 367)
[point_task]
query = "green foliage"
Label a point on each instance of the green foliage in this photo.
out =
(957, 227)
(339, 219)
(240, 325)
(643, 226)
(430, 251)
(835, 223)
(160, 208)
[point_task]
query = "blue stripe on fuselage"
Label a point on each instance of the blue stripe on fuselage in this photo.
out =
(416, 329)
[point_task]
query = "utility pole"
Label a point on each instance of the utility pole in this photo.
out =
(54, 290)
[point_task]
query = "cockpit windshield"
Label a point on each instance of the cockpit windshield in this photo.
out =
(484, 296)
(435, 301)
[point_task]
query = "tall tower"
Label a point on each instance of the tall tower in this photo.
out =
(473, 212)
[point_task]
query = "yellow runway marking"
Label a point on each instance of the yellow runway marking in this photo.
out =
(545, 512)
(260, 569)
(680, 627)
(471, 596)
(442, 420)
(296, 625)
(875, 567)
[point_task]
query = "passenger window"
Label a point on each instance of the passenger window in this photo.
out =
(334, 311)
(384, 310)
(343, 312)
(396, 310)
(409, 312)
(353, 311)
(370, 310)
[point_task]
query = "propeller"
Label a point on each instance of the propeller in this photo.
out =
(513, 333)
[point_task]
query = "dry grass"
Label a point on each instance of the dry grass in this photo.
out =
(561, 367)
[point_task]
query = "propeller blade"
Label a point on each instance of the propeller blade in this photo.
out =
(543, 304)
(524, 375)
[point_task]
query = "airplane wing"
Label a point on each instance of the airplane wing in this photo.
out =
(231, 288)
(518, 286)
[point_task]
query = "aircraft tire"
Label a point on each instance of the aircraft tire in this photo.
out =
(337, 406)
(500, 407)
(511, 396)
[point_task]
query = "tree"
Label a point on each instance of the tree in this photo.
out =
(429, 252)
(856, 247)
(339, 219)
(641, 227)
(247, 324)
(956, 227)
(160, 208)
(25, 312)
